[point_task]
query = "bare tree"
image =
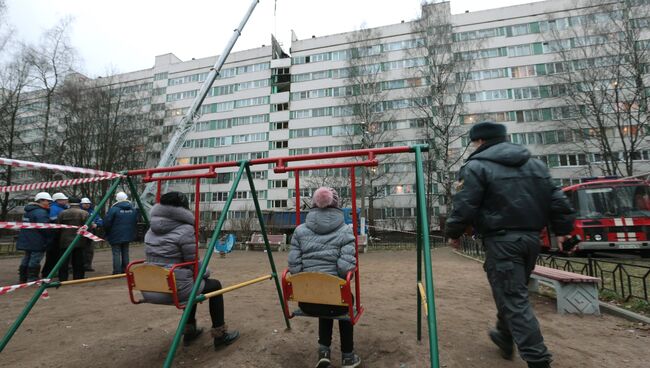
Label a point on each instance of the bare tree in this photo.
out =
(365, 107)
(601, 77)
(341, 183)
(14, 78)
(51, 60)
(440, 80)
(101, 127)
(6, 31)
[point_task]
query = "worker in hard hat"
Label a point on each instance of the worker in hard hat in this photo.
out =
(89, 249)
(34, 241)
(53, 253)
(120, 224)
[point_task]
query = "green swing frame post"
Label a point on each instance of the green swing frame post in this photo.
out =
(424, 253)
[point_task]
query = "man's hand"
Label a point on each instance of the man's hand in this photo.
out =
(454, 243)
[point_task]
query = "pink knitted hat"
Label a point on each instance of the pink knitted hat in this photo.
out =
(325, 197)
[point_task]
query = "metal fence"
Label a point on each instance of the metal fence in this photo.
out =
(625, 279)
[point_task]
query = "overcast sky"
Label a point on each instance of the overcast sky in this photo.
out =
(126, 35)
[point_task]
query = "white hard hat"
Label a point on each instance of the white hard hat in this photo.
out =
(121, 196)
(58, 196)
(43, 195)
(85, 200)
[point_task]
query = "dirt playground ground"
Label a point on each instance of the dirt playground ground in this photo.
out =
(95, 325)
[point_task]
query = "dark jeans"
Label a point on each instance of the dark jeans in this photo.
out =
(32, 259)
(77, 257)
(326, 325)
(216, 304)
(509, 261)
(120, 257)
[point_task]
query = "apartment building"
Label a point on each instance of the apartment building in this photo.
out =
(271, 102)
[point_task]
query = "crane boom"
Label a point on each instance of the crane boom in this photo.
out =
(188, 121)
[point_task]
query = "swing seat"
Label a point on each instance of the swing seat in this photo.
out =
(320, 288)
(147, 277)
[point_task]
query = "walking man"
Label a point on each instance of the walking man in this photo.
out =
(508, 197)
(120, 224)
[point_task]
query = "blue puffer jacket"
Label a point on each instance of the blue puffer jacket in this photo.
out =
(324, 243)
(55, 209)
(35, 240)
(120, 223)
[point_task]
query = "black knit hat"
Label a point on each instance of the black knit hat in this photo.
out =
(487, 130)
(74, 201)
(176, 199)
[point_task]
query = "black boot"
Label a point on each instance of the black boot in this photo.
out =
(191, 333)
(539, 364)
(505, 343)
(32, 273)
(223, 337)
(22, 274)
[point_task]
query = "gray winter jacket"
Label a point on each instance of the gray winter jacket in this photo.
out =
(171, 240)
(324, 243)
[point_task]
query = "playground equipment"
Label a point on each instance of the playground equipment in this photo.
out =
(297, 287)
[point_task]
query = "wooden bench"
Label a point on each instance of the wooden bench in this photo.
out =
(576, 293)
(279, 241)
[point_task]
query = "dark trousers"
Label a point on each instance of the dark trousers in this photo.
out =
(52, 255)
(77, 258)
(326, 325)
(89, 254)
(510, 259)
(216, 304)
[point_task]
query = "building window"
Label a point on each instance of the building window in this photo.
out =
(280, 107)
(277, 203)
(278, 144)
(279, 183)
(280, 125)
(160, 76)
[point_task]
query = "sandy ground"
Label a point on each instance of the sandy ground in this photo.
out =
(95, 325)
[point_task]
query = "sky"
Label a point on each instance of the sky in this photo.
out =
(126, 35)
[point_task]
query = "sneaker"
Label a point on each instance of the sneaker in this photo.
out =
(323, 359)
(350, 360)
(505, 344)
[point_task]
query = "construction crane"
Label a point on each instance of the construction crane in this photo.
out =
(168, 158)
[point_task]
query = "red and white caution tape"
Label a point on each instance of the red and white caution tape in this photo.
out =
(10, 288)
(52, 184)
(101, 175)
(40, 165)
(82, 230)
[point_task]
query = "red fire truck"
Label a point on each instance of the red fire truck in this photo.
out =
(612, 215)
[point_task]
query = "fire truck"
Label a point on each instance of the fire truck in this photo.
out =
(612, 215)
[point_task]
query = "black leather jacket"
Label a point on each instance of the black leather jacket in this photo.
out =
(503, 188)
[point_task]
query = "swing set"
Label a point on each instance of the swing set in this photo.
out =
(303, 287)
